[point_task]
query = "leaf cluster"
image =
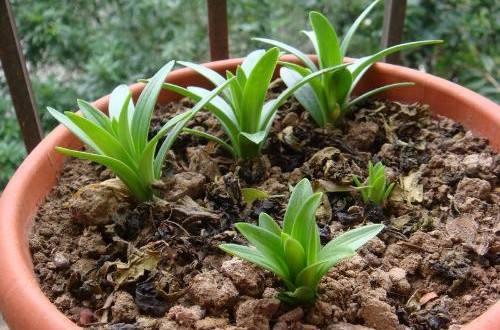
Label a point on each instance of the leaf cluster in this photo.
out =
(293, 252)
(376, 188)
(120, 140)
(242, 109)
(328, 98)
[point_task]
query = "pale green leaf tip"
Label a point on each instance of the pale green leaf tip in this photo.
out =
(314, 13)
(274, 50)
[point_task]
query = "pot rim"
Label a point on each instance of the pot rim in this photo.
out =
(23, 304)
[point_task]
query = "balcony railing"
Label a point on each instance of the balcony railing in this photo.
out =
(14, 64)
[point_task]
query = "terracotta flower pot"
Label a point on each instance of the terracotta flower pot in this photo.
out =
(22, 302)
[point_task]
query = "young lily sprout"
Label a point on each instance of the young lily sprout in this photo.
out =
(120, 141)
(328, 97)
(293, 252)
(376, 188)
(241, 109)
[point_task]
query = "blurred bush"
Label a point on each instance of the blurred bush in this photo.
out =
(81, 48)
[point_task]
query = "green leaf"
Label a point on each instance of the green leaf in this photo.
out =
(167, 144)
(75, 129)
(274, 104)
(255, 90)
(218, 106)
(180, 121)
(123, 127)
(107, 143)
(312, 37)
(236, 93)
(114, 127)
(267, 222)
(303, 72)
(311, 275)
(300, 55)
(370, 171)
(241, 77)
(305, 229)
(94, 115)
(267, 243)
(251, 144)
(301, 295)
(250, 195)
(314, 244)
(389, 190)
(170, 124)
(210, 74)
(146, 163)
(357, 67)
(300, 193)
(122, 171)
(350, 33)
(376, 91)
(256, 138)
(306, 95)
(119, 96)
(363, 190)
(145, 106)
(328, 44)
(268, 113)
(295, 255)
(352, 239)
(340, 254)
(361, 66)
(251, 60)
(377, 190)
(341, 82)
(230, 126)
(254, 256)
(210, 137)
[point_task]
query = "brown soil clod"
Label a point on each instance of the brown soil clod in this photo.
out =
(256, 313)
(248, 279)
(96, 203)
(212, 290)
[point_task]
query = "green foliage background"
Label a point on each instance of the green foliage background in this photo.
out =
(81, 48)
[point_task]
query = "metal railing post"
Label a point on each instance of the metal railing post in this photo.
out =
(394, 21)
(217, 29)
(18, 80)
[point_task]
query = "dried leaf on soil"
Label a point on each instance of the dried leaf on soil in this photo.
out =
(250, 195)
(409, 188)
(190, 210)
(330, 186)
(139, 260)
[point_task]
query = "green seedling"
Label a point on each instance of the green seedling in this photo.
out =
(328, 98)
(120, 140)
(376, 188)
(293, 252)
(242, 110)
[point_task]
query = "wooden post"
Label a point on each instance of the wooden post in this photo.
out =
(394, 21)
(217, 29)
(17, 77)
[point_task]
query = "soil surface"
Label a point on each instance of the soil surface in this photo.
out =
(108, 262)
